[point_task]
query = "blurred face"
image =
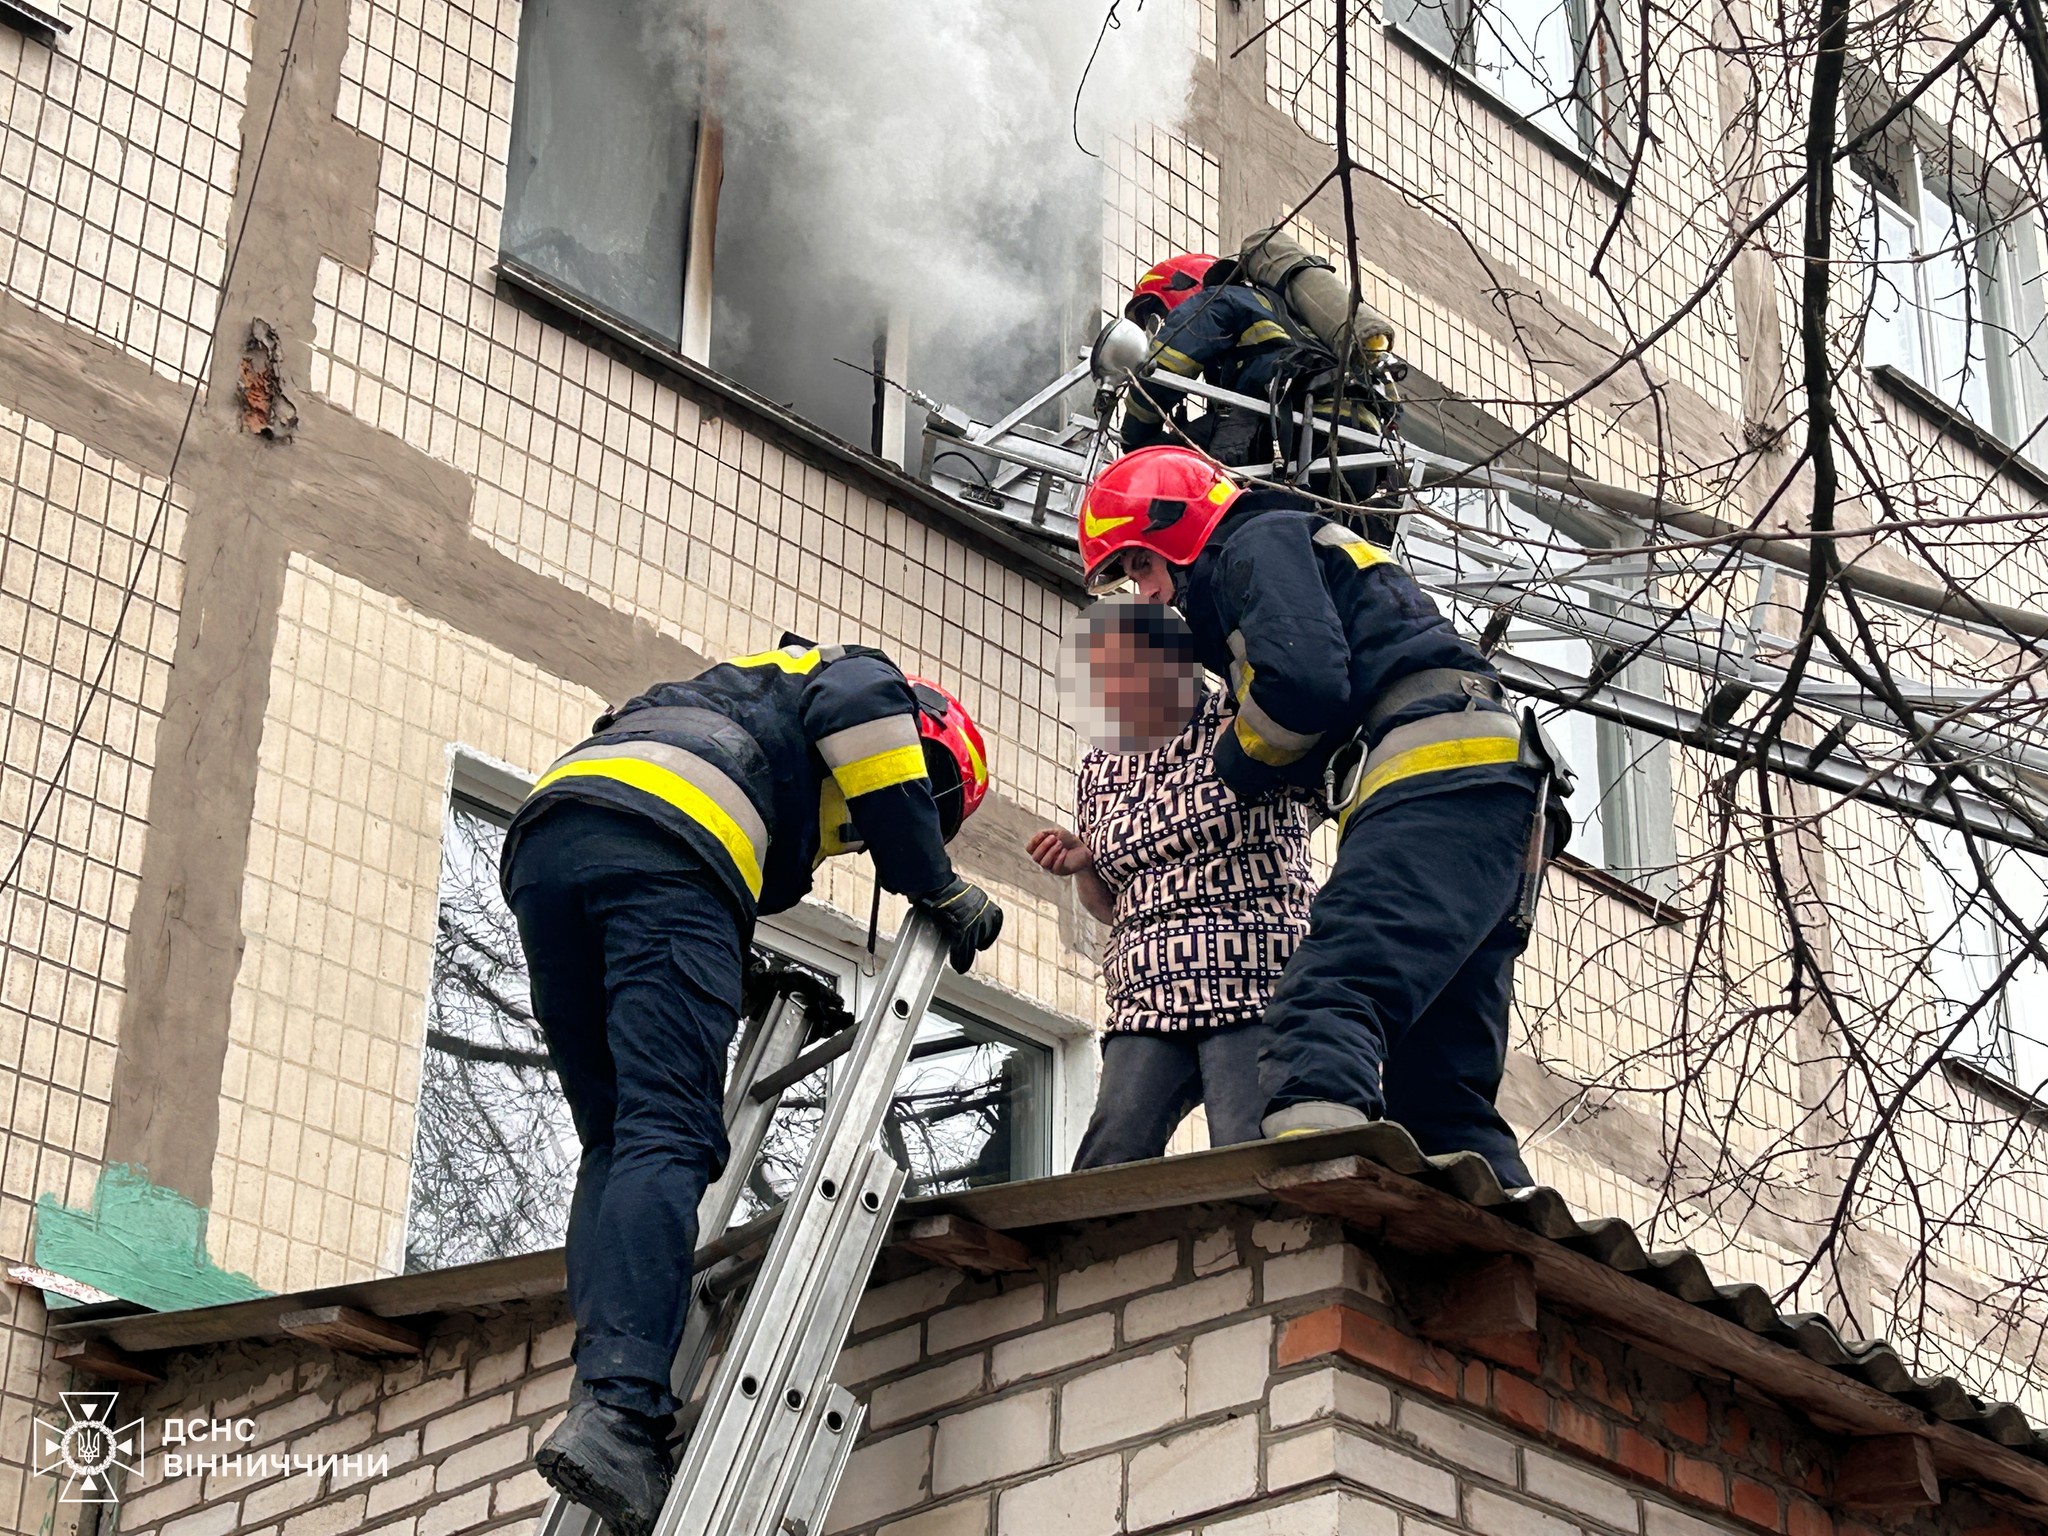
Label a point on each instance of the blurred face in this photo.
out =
(1129, 692)
(1145, 694)
(1152, 576)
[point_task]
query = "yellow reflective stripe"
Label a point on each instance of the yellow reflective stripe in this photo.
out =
(857, 743)
(1177, 361)
(836, 831)
(789, 659)
(1259, 749)
(898, 765)
(974, 756)
(1286, 746)
(672, 789)
(1437, 757)
(1363, 555)
(1259, 332)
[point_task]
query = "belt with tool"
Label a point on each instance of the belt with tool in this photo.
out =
(1483, 732)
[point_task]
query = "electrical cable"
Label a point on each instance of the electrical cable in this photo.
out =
(157, 520)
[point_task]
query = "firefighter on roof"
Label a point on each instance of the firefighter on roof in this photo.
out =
(635, 870)
(1345, 675)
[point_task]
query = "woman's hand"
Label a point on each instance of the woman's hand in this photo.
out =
(1060, 852)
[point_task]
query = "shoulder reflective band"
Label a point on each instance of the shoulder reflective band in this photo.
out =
(790, 659)
(874, 754)
(687, 783)
(1466, 738)
(1259, 332)
(1363, 552)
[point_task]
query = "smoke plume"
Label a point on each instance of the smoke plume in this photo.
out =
(917, 158)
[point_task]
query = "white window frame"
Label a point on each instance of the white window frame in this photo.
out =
(1970, 947)
(833, 942)
(2000, 383)
(1587, 121)
(1622, 808)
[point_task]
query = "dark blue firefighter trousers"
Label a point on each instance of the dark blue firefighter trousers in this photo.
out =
(1397, 1002)
(635, 958)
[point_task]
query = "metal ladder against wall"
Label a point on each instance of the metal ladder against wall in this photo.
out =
(771, 1431)
(1861, 749)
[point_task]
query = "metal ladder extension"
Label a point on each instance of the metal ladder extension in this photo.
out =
(772, 1432)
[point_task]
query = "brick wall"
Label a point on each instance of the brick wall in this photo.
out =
(453, 1431)
(1253, 1380)
(1156, 1375)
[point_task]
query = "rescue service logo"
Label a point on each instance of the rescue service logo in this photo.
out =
(88, 1450)
(93, 1455)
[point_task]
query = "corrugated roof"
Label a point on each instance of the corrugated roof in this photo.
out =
(1681, 1273)
(1377, 1175)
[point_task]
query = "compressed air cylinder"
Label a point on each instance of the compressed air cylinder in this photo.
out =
(1320, 299)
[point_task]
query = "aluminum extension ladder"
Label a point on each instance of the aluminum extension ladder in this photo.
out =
(772, 1432)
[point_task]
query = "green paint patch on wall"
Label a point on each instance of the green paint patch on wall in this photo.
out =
(142, 1242)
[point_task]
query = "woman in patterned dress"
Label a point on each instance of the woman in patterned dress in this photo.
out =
(1206, 896)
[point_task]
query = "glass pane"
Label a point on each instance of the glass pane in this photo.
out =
(1528, 52)
(1891, 332)
(597, 184)
(1967, 949)
(2022, 879)
(1432, 22)
(1955, 308)
(973, 1107)
(494, 1153)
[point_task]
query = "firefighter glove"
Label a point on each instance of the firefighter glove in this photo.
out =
(968, 914)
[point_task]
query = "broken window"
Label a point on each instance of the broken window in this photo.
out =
(495, 1153)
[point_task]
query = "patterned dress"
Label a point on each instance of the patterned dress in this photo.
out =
(1212, 894)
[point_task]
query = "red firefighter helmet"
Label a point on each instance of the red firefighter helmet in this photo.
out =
(1168, 285)
(954, 754)
(1166, 499)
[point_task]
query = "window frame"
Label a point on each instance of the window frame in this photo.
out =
(828, 940)
(1995, 1044)
(892, 431)
(2006, 244)
(1598, 106)
(1637, 850)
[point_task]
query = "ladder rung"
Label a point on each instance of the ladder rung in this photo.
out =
(732, 1240)
(822, 1054)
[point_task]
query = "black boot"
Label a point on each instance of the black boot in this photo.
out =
(615, 1464)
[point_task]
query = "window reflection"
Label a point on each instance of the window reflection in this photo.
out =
(495, 1154)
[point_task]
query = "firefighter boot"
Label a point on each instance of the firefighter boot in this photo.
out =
(615, 1464)
(1307, 1118)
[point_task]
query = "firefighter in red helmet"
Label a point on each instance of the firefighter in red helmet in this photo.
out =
(1343, 675)
(635, 870)
(1211, 320)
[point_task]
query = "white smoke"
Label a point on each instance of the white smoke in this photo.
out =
(918, 157)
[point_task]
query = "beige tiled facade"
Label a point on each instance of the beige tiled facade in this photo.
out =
(553, 508)
(81, 529)
(117, 168)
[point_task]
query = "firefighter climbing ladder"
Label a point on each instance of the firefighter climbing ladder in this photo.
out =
(772, 1432)
(1613, 602)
